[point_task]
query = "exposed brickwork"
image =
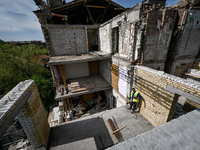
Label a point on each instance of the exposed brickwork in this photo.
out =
(158, 104)
(34, 120)
(159, 28)
(184, 46)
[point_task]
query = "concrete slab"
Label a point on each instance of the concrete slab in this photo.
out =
(70, 135)
(92, 56)
(85, 144)
(180, 134)
(100, 83)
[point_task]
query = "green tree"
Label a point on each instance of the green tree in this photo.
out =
(46, 93)
(19, 63)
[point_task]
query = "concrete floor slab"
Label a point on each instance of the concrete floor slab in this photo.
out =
(96, 126)
(99, 82)
(179, 134)
(92, 56)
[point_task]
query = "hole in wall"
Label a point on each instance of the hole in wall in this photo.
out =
(198, 22)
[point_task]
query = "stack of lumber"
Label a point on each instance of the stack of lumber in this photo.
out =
(82, 85)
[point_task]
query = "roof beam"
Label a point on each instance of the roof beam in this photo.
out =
(93, 6)
(90, 15)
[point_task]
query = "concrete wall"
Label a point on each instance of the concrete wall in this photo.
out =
(105, 69)
(123, 21)
(77, 70)
(68, 40)
(160, 92)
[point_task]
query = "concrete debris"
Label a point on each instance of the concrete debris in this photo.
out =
(22, 144)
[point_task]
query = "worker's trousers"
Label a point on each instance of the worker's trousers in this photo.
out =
(133, 104)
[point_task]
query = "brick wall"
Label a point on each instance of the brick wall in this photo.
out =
(158, 103)
(185, 49)
(159, 28)
(68, 40)
(33, 119)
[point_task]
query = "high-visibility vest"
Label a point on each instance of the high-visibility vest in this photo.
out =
(135, 98)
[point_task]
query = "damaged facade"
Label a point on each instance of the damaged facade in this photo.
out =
(99, 50)
(92, 52)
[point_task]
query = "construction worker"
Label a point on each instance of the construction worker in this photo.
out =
(134, 99)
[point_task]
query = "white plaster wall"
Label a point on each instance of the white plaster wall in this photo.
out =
(122, 83)
(131, 15)
(77, 70)
(105, 30)
(120, 100)
(134, 15)
(124, 39)
(105, 36)
(105, 69)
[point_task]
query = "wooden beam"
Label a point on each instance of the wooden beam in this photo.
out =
(90, 15)
(118, 130)
(65, 82)
(103, 14)
(62, 71)
(52, 70)
(68, 104)
(92, 6)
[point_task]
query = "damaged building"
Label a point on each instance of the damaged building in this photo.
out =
(99, 51)
(93, 50)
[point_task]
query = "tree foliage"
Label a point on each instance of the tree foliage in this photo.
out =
(19, 63)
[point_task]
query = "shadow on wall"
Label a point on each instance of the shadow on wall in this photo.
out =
(80, 130)
(139, 105)
(154, 92)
